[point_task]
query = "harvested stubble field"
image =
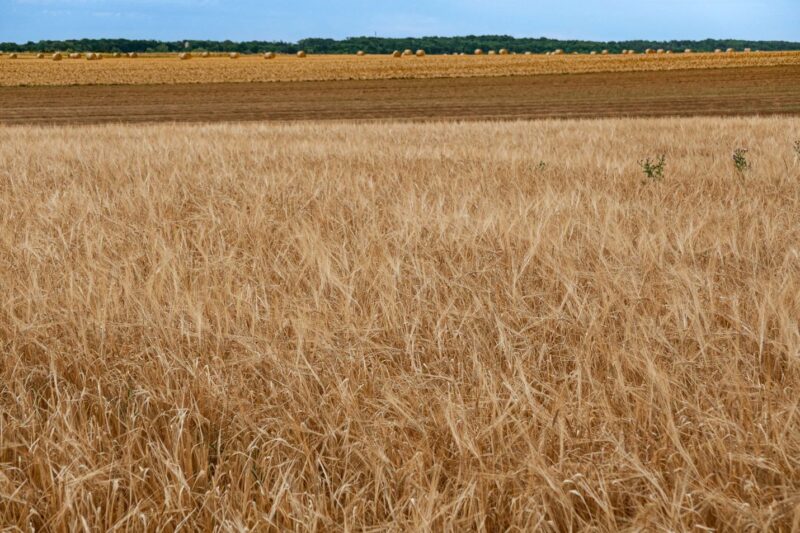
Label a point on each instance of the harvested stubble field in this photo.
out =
(28, 70)
(740, 91)
(400, 326)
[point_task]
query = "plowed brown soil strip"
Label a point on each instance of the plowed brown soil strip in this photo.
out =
(740, 91)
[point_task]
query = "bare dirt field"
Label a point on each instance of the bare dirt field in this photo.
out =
(149, 70)
(488, 326)
(734, 91)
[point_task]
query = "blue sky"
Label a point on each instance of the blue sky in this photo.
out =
(23, 20)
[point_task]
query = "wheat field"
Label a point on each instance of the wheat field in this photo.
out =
(432, 327)
(161, 69)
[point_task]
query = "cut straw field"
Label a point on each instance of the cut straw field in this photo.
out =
(443, 327)
(159, 69)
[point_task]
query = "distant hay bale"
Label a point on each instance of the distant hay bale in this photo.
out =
(133, 55)
(730, 50)
(717, 51)
(360, 53)
(669, 51)
(57, 57)
(492, 53)
(98, 56)
(529, 53)
(12, 56)
(40, 56)
(593, 53)
(184, 56)
(91, 56)
(269, 55)
(205, 54)
(747, 50)
(558, 52)
(503, 52)
(604, 52)
(687, 51)
(234, 55)
(649, 51)
(117, 55)
(301, 54)
(420, 53)
(75, 55)
(397, 53)
(408, 52)
(478, 52)
(660, 51)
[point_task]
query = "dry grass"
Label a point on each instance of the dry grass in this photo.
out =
(165, 69)
(402, 327)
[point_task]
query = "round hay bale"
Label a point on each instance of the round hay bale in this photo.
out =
(133, 55)
(669, 51)
(90, 56)
(730, 50)
(301, 54)
(234, 55)
(75, 55)
(604, 52)
(558, 52)
(205, 54)
(529, 53)
(660, 51)
(420, 53)
(116, 55)
(492, 53)
(717, 51)
(360, 53)
(397, 53)
(649, 51)
(12, 56)
(98, 56)
(592, 53)
(687, 51)
(478, 52)
(503, 52)
(184, 56)
(747, 50)
(57, 57)
(269, 55)
(40, 56)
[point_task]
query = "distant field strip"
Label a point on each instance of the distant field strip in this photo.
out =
(743, 91)
(27, 70)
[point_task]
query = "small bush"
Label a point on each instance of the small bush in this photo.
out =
(654, 168)
(740, 161)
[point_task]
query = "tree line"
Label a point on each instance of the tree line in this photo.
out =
(385, 45)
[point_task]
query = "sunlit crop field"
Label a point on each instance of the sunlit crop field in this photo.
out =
(27, 70)
(408, 327)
